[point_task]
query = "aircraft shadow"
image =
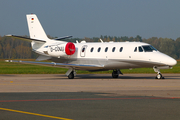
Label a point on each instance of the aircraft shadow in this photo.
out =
(102, 76)
(108, 76)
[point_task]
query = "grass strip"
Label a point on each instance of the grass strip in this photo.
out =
(19, 68)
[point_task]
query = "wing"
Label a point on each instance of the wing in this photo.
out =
(62, 65)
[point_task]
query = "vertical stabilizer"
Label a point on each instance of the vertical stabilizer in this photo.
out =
(35, 29)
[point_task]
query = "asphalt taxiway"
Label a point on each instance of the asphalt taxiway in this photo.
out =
(90, 97)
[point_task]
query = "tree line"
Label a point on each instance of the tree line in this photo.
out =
(11, 48)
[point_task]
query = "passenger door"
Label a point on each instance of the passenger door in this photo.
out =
(83, 51)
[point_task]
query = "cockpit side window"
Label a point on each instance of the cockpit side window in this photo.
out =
(149, 48)
(135, 50)
(140, 49)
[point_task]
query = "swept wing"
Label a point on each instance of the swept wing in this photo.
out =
(62, 65)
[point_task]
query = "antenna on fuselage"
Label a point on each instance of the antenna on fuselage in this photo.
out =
(101, 40)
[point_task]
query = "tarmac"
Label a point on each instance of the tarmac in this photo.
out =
(89, 97)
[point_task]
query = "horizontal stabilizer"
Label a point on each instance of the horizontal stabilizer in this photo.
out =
(60, 38)
(25, 38)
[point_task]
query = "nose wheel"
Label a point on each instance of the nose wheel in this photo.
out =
(159, 75)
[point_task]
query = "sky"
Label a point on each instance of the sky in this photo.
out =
(93, 18)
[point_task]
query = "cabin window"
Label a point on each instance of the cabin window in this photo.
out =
(140, 49)
(83, 49)
(106, 49)
(135, 50)
(148, 48)
(113, 49)
(120, 50)
(92, 49)
(99, 49)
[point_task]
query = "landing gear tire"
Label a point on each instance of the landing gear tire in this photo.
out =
(159, 76)
(115, 74)
(71, 75)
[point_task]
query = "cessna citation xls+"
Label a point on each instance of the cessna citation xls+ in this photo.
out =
(93, 56)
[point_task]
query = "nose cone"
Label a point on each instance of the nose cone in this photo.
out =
(165, 59)
(171, 62)
(168, 60)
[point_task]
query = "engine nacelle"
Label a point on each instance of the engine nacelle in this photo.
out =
(61, 49)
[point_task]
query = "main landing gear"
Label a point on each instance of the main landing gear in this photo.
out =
(115, 73)
(71, 73)
(159, 75)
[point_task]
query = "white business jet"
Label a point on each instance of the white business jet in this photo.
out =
(93, 56)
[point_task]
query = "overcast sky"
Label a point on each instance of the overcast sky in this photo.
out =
(93, 18)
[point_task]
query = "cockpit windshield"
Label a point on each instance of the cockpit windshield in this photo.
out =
(149, 48)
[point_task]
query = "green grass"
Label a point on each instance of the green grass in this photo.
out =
(19, 68)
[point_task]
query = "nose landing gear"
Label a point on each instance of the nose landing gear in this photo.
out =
(159, 75)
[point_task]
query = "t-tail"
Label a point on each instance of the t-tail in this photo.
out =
(37, 34)
(36, 30)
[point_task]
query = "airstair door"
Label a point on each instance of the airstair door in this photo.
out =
(83, 51)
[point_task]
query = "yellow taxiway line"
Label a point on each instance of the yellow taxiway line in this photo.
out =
(30, 113)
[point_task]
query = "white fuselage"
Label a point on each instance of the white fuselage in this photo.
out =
(110, 55)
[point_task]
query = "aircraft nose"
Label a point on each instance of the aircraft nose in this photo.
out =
(171, 61)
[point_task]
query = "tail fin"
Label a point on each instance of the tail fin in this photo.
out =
(36, 31)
